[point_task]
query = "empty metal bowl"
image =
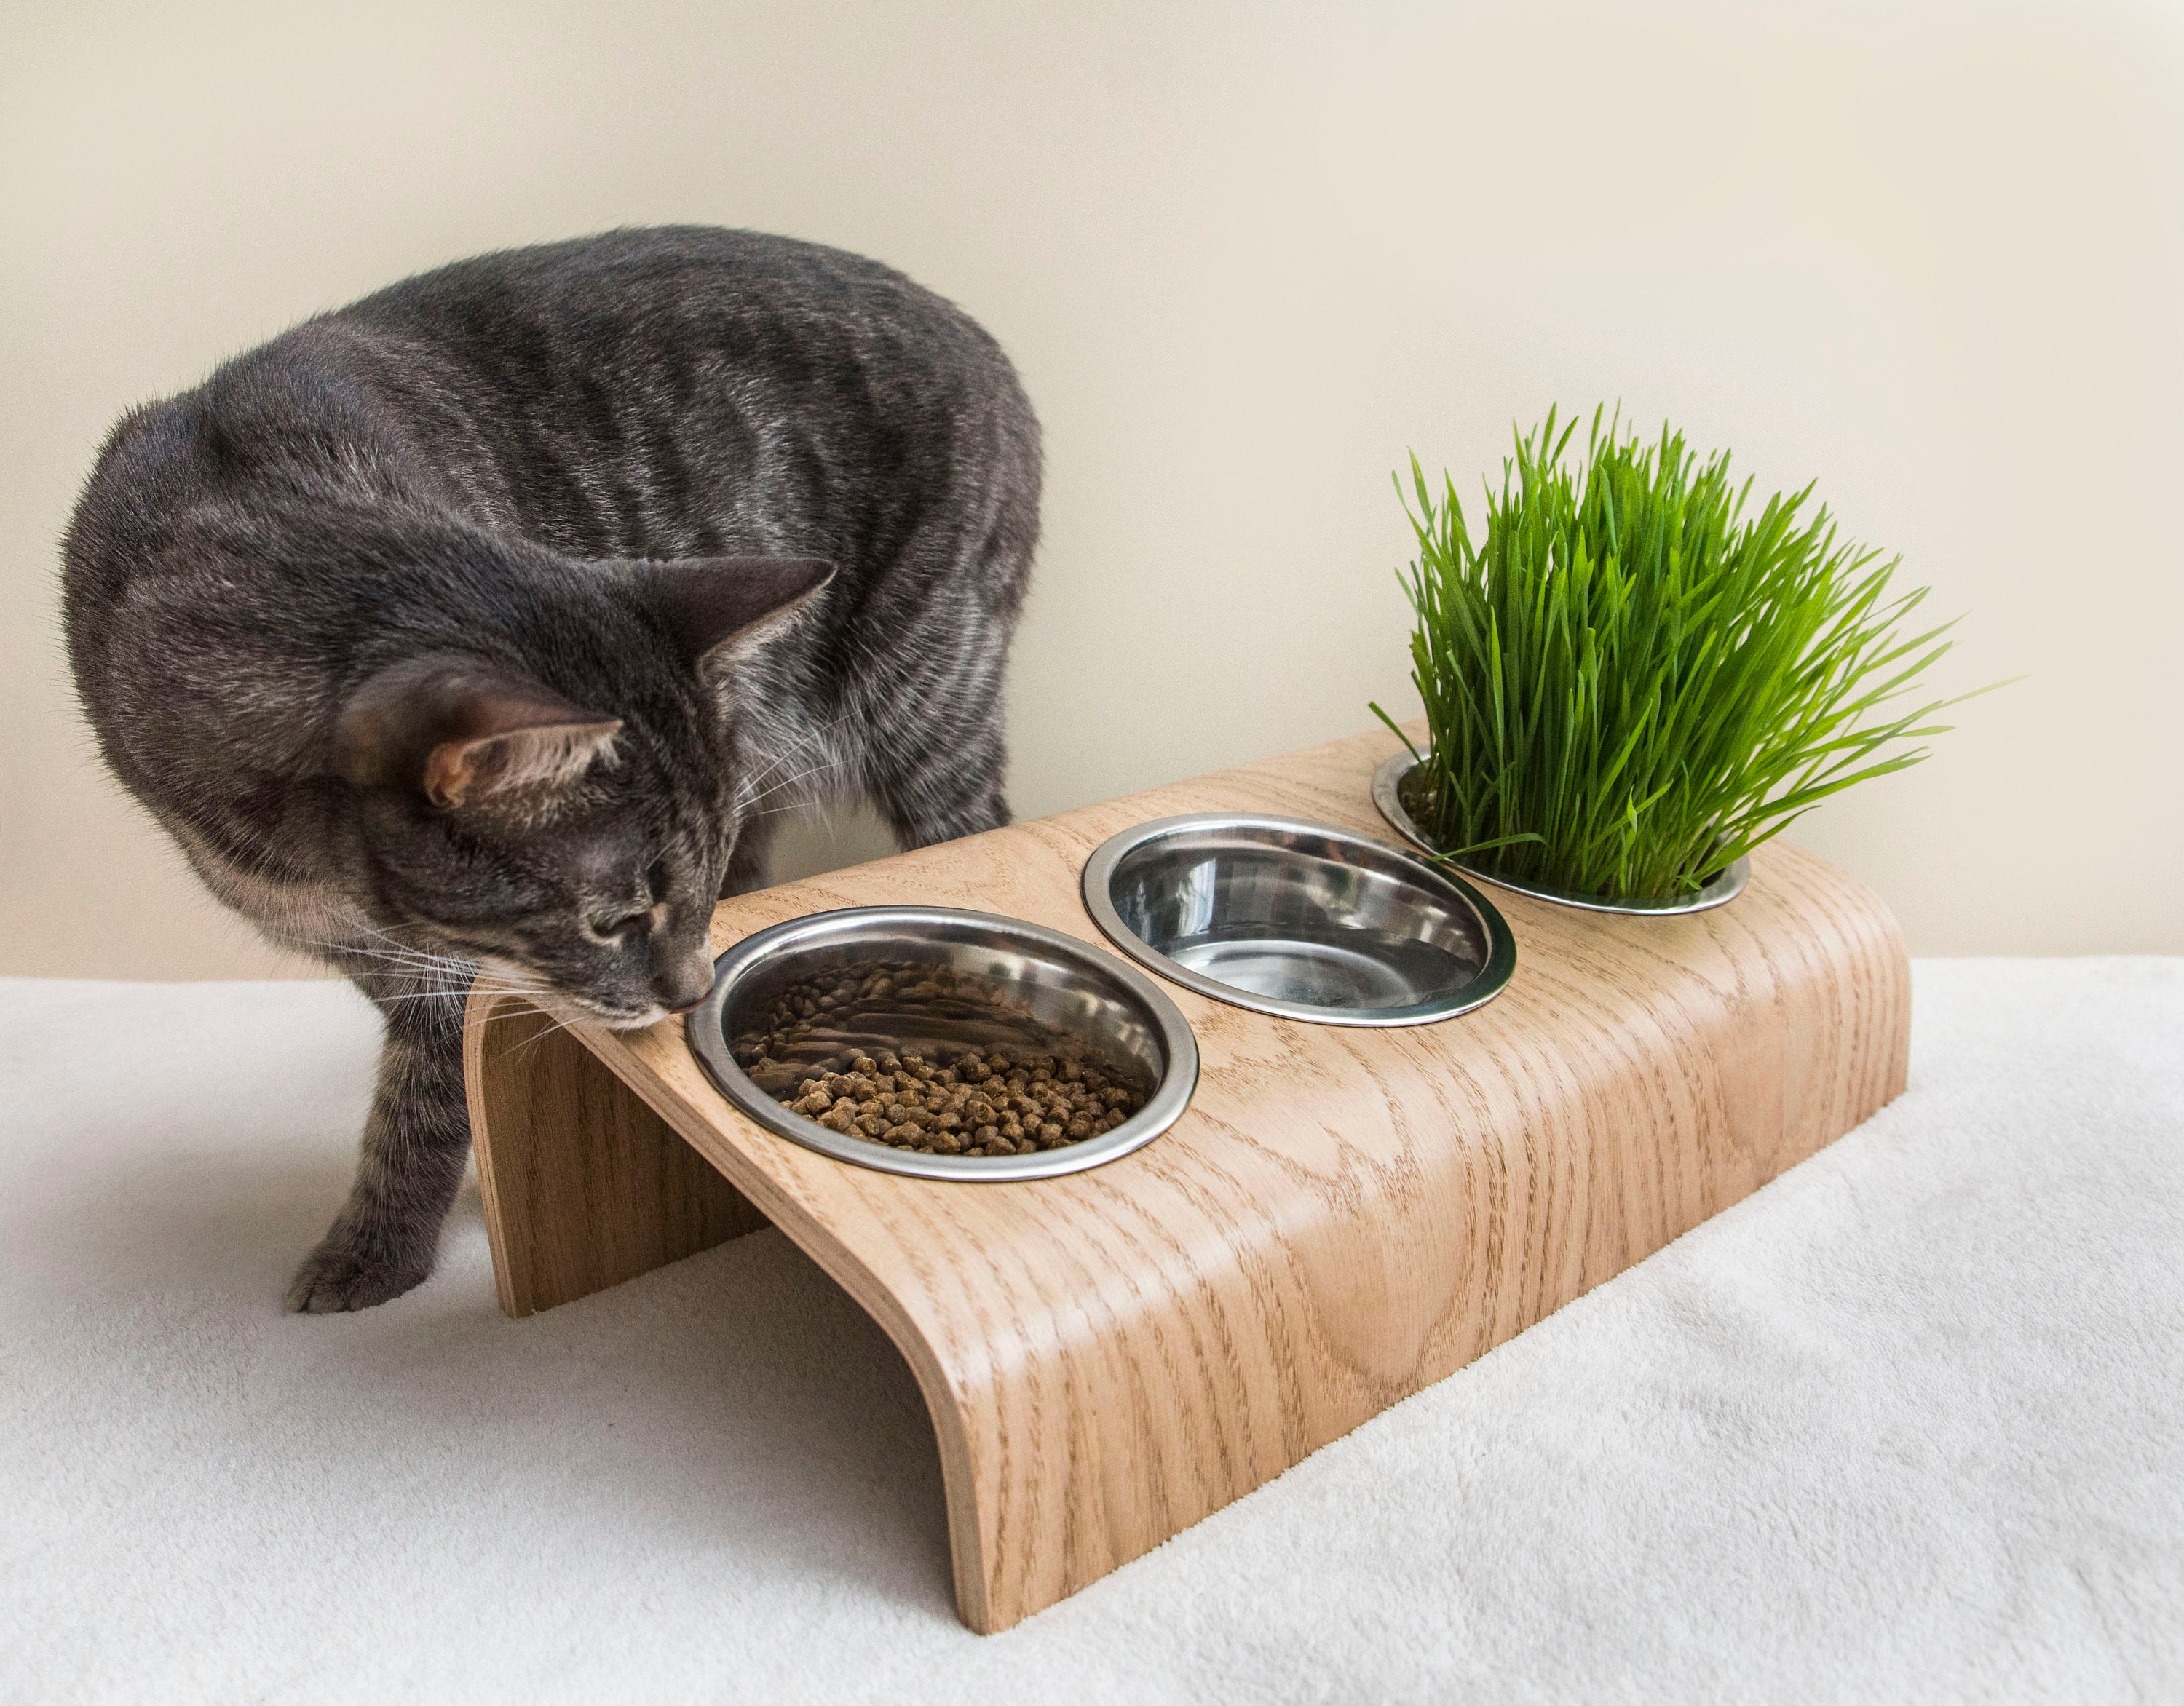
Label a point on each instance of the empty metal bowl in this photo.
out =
(1300, 919)
(1722, 887)
(1112, 1008)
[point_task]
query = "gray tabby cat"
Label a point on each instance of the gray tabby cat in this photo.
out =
(485, 622)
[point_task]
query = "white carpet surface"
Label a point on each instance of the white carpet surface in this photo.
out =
(1905, 1425)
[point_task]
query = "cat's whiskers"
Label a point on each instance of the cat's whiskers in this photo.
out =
(413, 948)
(414, 961)
(532, 1042)
(751, 804)
(447, 980)
(807, 739)
(460, 997)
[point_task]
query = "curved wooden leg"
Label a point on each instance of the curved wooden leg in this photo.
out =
(584, 1186)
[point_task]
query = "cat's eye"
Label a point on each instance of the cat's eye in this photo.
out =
(622, 927)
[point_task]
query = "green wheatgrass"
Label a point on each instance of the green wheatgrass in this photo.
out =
(1630, 684)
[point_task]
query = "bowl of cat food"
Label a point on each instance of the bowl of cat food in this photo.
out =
(1302, 921)
(943, 1043)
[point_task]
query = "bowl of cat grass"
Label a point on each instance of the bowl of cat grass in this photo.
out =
(1394, 786)
(1302, 921)
(943, 1043)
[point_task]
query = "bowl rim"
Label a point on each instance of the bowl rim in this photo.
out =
(1492, 979)
(1722, 887)
(707, 1038)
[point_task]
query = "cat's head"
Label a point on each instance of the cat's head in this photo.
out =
(571, 838)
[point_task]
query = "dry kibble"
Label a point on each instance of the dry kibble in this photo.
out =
(1011, 1097)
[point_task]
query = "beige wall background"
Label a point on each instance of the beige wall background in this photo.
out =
(1245, 257)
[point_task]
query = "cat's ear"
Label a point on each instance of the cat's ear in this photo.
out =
(718, 607)
(464, 733)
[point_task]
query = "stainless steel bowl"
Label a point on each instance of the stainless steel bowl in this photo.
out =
(1114, 1010)
(1722, 887)
(1299, 919)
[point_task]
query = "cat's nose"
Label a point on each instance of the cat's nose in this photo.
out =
(680, 986)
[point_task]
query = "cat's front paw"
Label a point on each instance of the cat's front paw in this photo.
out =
(333, 1279)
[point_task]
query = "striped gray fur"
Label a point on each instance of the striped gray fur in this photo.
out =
(490, 621)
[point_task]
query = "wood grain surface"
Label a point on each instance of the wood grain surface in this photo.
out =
(584, 1185)
(1341, 1218)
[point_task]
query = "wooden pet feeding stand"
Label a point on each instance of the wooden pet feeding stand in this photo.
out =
(1342, 1217)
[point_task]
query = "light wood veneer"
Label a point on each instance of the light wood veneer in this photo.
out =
(1341, 1218)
